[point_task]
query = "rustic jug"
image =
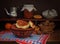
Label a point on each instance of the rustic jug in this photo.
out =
(28, 10)
(13, 12)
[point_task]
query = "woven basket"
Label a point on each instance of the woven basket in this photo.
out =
(47, 29)
(21, 33)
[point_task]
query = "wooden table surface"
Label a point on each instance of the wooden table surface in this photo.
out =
(55, 36)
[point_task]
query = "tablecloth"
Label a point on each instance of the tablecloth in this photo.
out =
(34, 39)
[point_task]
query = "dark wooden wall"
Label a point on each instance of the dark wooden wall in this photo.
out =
(39, 4)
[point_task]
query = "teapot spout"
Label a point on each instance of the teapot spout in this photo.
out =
(6, 11)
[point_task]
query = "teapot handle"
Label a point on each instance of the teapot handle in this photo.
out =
(6, 11)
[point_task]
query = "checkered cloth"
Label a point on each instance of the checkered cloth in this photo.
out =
(34, 39)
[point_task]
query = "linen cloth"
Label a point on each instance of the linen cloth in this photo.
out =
(33, 39)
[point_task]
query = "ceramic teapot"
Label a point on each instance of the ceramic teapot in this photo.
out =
(13, 11)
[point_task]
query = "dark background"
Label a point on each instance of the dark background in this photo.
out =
(41, 5)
